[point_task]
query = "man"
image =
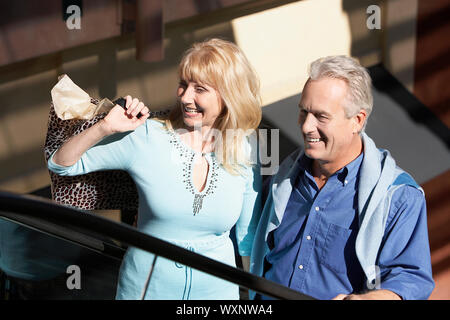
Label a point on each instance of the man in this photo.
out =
(341, 219)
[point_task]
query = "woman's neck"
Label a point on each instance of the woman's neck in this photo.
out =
(199, 139)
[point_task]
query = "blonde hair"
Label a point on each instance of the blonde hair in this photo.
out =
(359, 83)
(223, 66)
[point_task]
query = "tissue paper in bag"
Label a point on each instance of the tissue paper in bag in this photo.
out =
(72, 102)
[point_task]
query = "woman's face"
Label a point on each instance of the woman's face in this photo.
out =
(200, 104)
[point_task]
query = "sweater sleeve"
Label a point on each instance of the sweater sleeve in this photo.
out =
(114, 152)
(250, 213)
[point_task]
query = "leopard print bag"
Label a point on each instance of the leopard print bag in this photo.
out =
(101, 190)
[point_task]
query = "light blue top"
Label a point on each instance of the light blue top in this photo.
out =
(169, 206)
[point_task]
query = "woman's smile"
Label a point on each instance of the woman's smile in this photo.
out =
(199, 102)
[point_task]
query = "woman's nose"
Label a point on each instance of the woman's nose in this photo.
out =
(187, 95)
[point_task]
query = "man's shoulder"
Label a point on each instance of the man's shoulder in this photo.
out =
(407, 192)
(291, 158)
(404, 178)
(404, 189)
(406, 196)
(407, 201)
(288, 162)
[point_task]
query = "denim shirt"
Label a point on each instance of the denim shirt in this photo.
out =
(313, 249)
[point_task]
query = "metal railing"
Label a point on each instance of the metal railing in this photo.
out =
(88, 230)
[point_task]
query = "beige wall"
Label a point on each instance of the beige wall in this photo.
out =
(23, 119)
(281, 42)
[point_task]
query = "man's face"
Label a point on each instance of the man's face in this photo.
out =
(328, 134)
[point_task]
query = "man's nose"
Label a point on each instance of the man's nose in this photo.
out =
(308, 123)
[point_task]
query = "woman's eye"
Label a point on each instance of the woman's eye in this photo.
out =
(200, 89)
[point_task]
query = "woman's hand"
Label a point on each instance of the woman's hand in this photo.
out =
(120, 120)
(117, 120)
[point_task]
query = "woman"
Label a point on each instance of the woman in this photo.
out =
(193, 171)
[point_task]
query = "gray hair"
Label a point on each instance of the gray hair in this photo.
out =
(359, 83)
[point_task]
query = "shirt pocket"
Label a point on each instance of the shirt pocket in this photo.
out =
(338, 252)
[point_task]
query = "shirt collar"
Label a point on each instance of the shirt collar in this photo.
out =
(352, 169)
(344, 174)
(304, 163)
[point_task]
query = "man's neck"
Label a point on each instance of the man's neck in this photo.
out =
(322, 170)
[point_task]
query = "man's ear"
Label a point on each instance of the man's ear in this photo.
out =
(359, 120)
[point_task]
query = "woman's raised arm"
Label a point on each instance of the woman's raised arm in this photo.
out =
(117, 120)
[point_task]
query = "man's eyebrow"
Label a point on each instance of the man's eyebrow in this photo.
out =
(317, 112)
(323, 113)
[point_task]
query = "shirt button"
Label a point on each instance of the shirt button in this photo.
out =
(300, 267)
(346, 181)
(308, 237)
(317, 208)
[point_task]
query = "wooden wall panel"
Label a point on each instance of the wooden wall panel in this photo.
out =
(432, 68)
(34, 28)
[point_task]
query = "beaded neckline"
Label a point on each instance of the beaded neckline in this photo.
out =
(188, 156)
